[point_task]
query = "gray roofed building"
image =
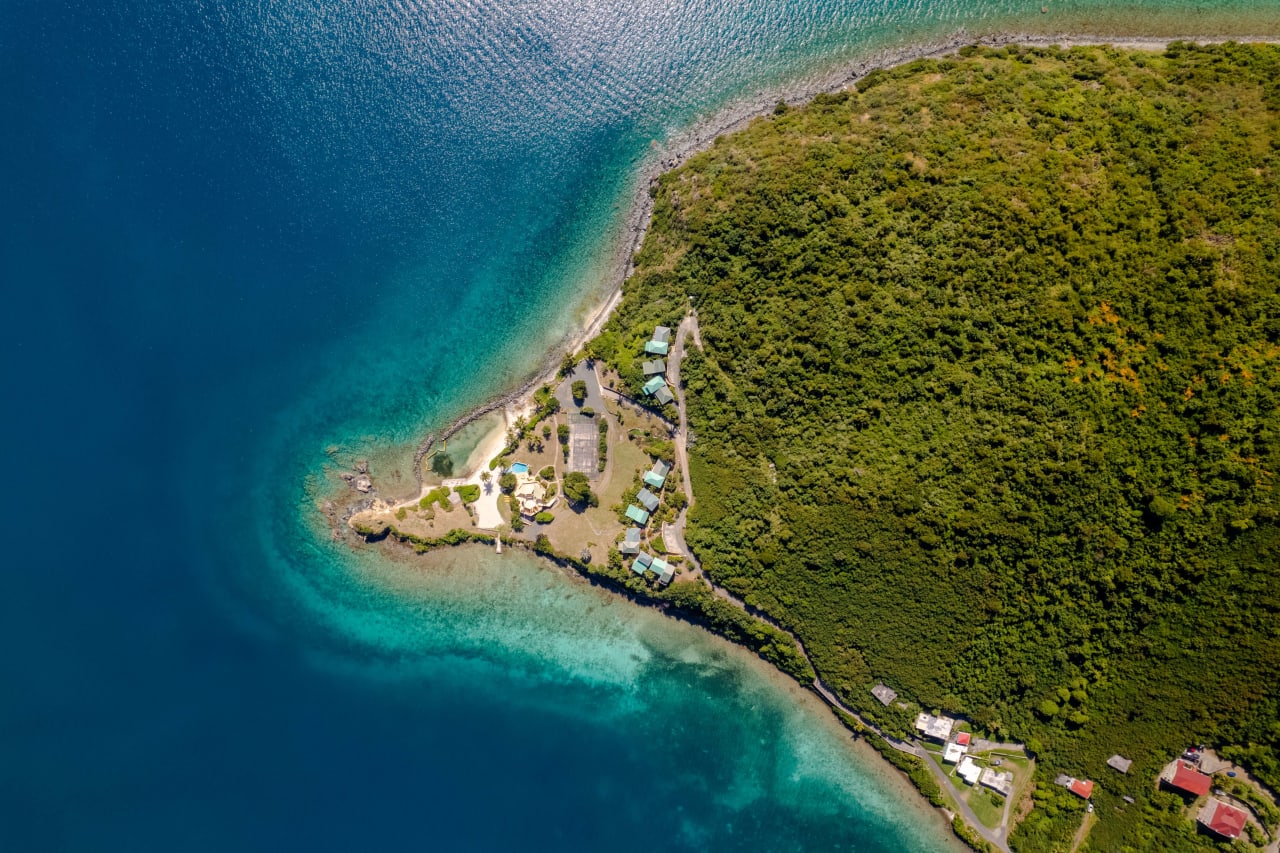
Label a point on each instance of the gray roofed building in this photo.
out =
(641, 563)
(1001, 783)
(1120, 763)
(647, 499)
(662, 469)
(884, 694)
(655, 367)
(630, 543)
(662, 334)
(663, 395)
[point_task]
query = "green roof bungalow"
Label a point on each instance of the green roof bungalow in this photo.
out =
(662, 334)
(664, 570)
(648, 499)
(657, 347)
(630, 543)
(653, 480)
(663, 396)
(651, 387)
(637, 515)
(642, 562)
(657, 367)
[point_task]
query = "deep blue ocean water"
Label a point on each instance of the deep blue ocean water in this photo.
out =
(243, 241)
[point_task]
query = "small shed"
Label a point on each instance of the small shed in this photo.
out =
(648, 500)
(884, 694)
(653, 385)
(657, 367)
(1223, 820)
(663, 395)
(1120, 763)
(637, 515)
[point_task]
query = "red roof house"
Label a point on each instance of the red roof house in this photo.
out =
(963, 738)
(1222, 820)
(1186, 778)
(1082, 788)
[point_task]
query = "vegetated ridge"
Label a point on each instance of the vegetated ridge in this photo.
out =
(989, 400)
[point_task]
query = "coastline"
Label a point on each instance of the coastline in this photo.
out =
(634, 223)
(702, 135)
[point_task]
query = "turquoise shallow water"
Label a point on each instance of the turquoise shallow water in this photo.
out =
(243, 242)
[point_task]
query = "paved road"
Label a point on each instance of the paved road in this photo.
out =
(995, 836)
(687, 325)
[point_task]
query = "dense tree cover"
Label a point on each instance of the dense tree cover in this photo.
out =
(988, 407)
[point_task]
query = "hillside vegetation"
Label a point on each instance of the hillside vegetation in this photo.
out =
(988, 405)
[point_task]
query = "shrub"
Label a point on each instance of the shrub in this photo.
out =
(579, 391)
(470, 493)
(548, 473)
(544, 517)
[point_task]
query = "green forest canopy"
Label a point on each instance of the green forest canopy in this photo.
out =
(988, 407)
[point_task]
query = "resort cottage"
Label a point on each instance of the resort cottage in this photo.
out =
(654, 385)
(656, 476)
(648, 500)
(630, 543)
(657, 367)
(664, 570)
(663, 396)
(641, 563)
(637, 515)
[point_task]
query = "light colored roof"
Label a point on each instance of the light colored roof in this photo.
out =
(884, 694)
(629, 547)
(663, 395)
(999, 782)
(637, 515)
(656, 347)
(1119, 763)
(662, 334)
(938, 728)
(654, 384)
(968, 770)
(639, 565)
(647, 499)
(952, 753)
(652, 479)
(664, 569)
(632, 535)
(661, 468)
(655, 366)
